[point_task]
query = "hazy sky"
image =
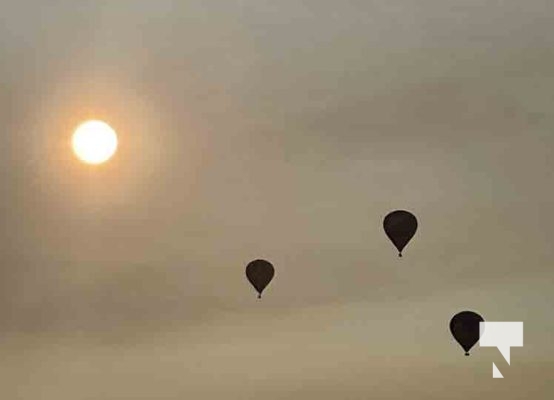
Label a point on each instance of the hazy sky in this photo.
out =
(283, 130)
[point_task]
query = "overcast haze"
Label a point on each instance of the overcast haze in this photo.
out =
(283, 130)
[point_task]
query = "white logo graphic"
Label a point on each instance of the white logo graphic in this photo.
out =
(502, 335)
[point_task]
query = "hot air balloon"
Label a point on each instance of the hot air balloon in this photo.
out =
(400, 226)
(259, 274)
(465, 329)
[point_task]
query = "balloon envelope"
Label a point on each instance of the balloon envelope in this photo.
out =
(259, 274)
(400, 226)
(465, 329)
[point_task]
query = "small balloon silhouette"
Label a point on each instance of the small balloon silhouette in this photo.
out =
(400, 226)
(465, 329)
(259, 274)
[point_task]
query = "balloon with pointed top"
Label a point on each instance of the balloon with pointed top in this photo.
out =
(465, 328)
(400, 227)
(259, 274)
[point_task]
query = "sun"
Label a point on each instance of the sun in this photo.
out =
(94, 142)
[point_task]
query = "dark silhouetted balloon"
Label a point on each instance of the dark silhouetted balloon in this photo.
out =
(465, 329)
(400, 226)
(259, 274)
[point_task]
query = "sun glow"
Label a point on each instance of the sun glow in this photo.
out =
(94, 142)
